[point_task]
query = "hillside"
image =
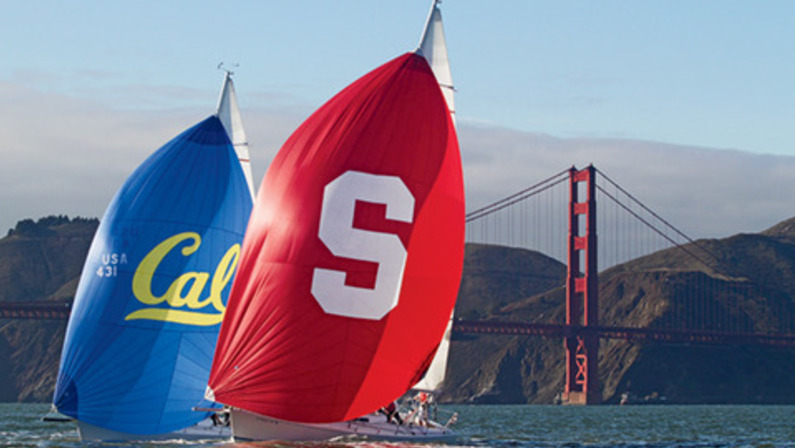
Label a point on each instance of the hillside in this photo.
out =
(39, 260)
(650, 292)
(42, 260)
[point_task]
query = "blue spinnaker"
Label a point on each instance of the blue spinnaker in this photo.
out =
(145, 320)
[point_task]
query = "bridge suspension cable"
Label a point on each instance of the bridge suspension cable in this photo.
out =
(519, 196)
(700, 289)
(652, 227)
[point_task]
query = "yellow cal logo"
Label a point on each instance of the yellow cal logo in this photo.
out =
(185, 305)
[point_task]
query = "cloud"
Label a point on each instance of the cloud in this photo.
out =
(704, 192)
(65, 155)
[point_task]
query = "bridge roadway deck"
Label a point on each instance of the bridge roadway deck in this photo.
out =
(629, 334)
(36, 309)
(59, 310)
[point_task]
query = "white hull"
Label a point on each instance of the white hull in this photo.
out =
(203, 430)
(247, 426)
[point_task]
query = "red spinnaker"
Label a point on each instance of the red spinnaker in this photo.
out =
(352, 258)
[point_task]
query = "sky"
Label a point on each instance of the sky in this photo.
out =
(688, 105)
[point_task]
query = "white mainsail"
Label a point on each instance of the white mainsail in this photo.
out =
(433, 48)
(229, 114)
(436, 371)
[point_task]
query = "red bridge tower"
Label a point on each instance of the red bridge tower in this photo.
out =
(582, 311)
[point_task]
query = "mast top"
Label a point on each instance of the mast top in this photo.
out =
(229, 71)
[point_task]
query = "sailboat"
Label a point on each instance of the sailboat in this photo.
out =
(229, 113)
(350, 265)
(153, 290)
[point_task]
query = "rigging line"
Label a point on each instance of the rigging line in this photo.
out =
(648, 224)
(519, 193)
(671, 226)
(493, 208)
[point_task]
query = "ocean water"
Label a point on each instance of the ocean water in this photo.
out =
(504, 426)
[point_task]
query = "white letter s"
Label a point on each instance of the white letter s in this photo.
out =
(343, 240)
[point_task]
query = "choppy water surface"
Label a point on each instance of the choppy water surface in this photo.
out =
(507, 426)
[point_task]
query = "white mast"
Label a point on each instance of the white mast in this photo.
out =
(433, 48)
(229, 114)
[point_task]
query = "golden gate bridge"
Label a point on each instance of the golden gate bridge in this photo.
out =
(704, 305)
(558, 217)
